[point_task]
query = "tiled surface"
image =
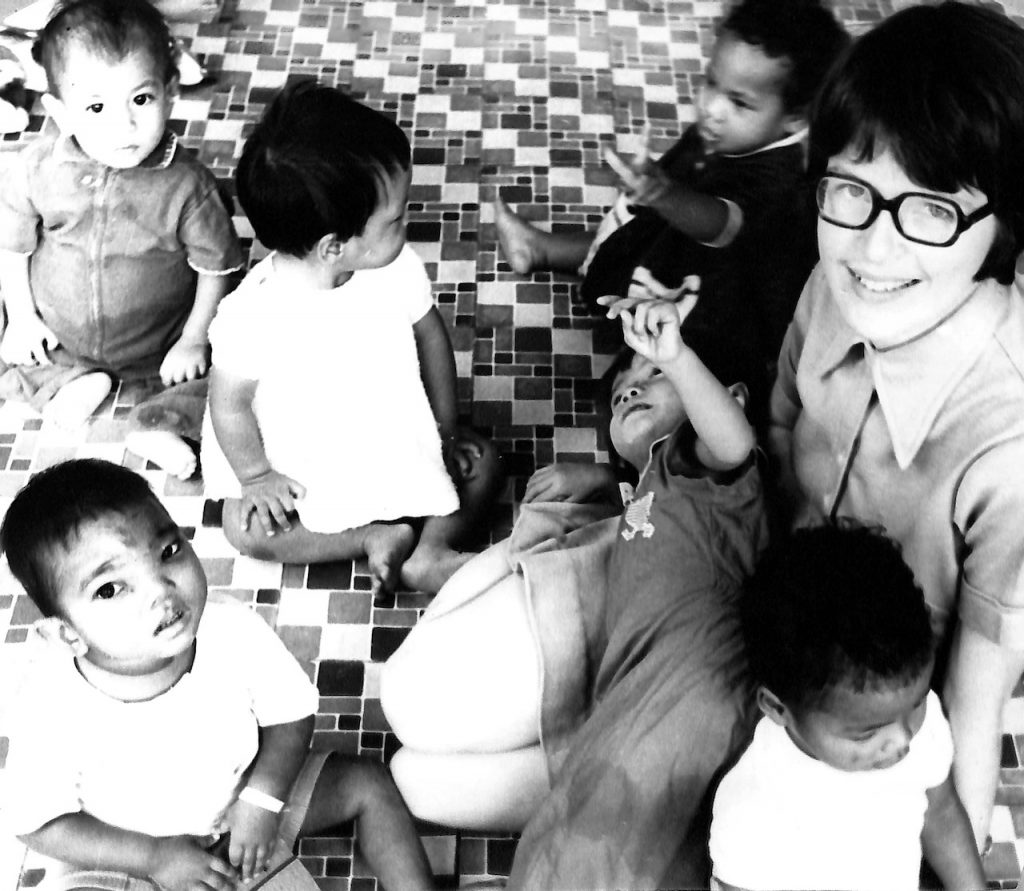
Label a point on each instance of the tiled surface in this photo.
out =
(512, 96)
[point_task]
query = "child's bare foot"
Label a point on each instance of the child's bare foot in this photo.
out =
(387, 545)
(166, 450)
(430, 566)
(73, 403)
(521, 243)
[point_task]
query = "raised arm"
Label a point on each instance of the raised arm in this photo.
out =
(651, 328)
(701, 216)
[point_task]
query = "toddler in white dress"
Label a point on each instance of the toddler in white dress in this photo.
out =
(331, 430)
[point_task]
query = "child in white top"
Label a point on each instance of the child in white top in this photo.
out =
(332, 421)
(189, 720)
(848, 775)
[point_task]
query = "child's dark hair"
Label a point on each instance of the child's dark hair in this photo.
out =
(52, 507)
(803, 31)
(942, 88)
(112, 29)
(315, 165)
(835, 605)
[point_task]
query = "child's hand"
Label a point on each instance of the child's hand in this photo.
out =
(642, 180)
(253, 836)
(27, 341)
(568, 482)
(180, 864)
(185, 361)
(651, 327)
(271, 496)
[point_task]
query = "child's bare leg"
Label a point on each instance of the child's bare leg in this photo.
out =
(498, 791)
(362, 790)
(528, 248)
(434, 560)
(166, 450)
(199, 11)
(385, 545)
(468, 680)
(73, 403)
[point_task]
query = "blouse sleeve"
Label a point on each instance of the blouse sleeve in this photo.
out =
(989, 507)
(207, 232)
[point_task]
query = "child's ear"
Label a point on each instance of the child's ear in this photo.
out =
(56, 109)
(740, 393)
(173, 87)
(773, 707)
(329, 249)
(58, 633)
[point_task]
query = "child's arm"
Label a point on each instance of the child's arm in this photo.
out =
(701, 216)
(189, 357)
(651, 328)
(283, 748)
(27, 337)
(948, 842)
(437, 368)
(175, 863)
(265, 492)
(573, 482)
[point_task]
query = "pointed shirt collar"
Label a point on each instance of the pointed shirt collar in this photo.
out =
(914, 380)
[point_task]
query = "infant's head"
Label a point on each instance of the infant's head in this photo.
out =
(766, 65)
(112, 573)
(112, 73)
(841, 645)
(322, 172)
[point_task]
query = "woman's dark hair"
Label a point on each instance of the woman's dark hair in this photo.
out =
(835, 605)
(802, 31)
(52, 507)
(316, 165)
(942, 88)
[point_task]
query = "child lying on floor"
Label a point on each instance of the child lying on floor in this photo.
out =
(585, 680)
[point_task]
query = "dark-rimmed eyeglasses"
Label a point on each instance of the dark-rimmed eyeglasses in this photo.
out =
(918, 216)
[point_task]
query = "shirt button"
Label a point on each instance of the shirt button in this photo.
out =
(87, 179)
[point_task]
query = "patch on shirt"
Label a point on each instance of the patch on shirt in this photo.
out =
(638, 518)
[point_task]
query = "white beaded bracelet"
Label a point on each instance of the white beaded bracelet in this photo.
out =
(260, 799)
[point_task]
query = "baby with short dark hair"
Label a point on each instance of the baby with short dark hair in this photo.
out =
(848, 775)
(336, 329)
(115, 246)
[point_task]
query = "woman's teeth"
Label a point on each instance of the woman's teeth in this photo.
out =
(878, 286)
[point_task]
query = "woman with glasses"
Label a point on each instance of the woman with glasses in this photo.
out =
(900, 395)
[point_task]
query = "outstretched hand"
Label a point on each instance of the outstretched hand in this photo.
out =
(651, 327)
(642, 180)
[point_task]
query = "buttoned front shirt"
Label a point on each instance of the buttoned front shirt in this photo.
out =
(925, 439)
(115, 252)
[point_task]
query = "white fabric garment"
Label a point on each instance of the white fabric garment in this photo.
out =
(785, 820)
(166, 766)
(339, 400)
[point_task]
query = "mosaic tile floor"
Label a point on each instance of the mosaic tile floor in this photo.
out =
(516, 97)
